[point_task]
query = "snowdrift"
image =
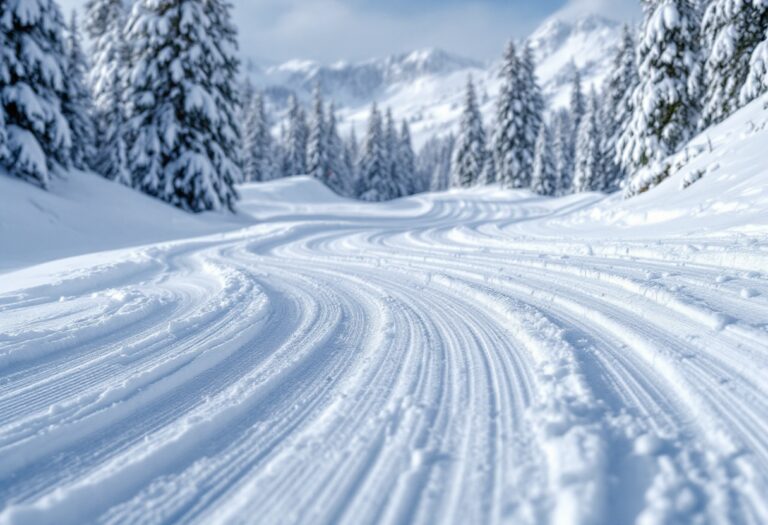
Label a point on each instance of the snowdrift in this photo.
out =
(84, 213)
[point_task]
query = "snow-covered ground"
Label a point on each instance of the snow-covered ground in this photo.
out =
(478, 356)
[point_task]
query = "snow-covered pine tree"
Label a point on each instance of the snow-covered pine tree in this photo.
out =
(298, 136)
(351, 159)
(338, 177)
(666, 102)
(588, 174)
(77, 106)
(5, 77)
(578, 106)
(509, 143)
(489, 175)
(407, 159)
(563, 150)
(317, 143)
(280, 154)
(544, 180)
(617, 109)
(258, 147)
(183, 103)
(469, 155)
(105, 24)
(32, 88)
(375, 169)
(391, 141)
(732, 31)
(757, 80)
(535, 105)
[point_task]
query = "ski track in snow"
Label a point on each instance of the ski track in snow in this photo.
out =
(434, 361)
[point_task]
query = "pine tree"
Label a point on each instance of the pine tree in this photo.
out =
(544, 180)
(617, 109)
(5, 78)
(351, 159)
(407, 160)
(588, 174)
(183, 103)
(338, 176)
(105, 24)
(32, 88)
(665, 102)
(391, 141)
(534, 107)
(375, 169)
(469, 155)
(510, 140)
(563, 151)
(298, 136)
(578, 105)
(317, 145)
(757, 80)
(258, 164)
(732, 31)
(77, 106)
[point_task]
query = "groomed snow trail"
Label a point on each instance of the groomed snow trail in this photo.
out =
(456, 358)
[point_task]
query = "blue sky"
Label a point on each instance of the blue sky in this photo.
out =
(329, 30)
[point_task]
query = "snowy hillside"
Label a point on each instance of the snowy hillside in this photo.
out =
(475, 356)
(86, 213)
(427, 86)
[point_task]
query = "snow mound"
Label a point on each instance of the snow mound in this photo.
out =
(86, 213)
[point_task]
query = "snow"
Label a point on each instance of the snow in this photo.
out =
(427, 86)
(472, 356)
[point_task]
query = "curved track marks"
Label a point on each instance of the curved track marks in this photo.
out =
(429, 363)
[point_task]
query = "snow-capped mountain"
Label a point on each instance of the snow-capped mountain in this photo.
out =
(427, 86)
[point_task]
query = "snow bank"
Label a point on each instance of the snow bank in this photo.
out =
(85, 213)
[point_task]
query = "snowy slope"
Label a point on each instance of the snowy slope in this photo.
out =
(427, 86)
(85, 213)
(474, 356)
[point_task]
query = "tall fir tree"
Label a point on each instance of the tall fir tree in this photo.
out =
(183, 103)
(757, 79)
(578, 105)
(732, 32)
(317, 143)
(5, 77)
(351, 159)
(544, 180)
(105, 24)
(588, 173)
(407, 159)
(338, 177)
(666, 102)
(258, 164)
(535, 105)
(470, 153)
(32, 89)
(298, 136)
(375, 169)
(617, 107)
(77, 106)
(391, 141)
(510, 141)
(563, 150)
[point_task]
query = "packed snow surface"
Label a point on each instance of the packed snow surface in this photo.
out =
(477, 356)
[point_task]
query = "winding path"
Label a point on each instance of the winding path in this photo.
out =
(436, 360)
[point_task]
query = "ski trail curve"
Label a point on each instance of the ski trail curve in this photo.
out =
(434, 360)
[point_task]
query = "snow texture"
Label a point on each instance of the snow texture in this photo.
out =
(474, 356)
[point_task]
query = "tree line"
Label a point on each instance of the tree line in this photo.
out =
(688, 66)
(156, 105)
